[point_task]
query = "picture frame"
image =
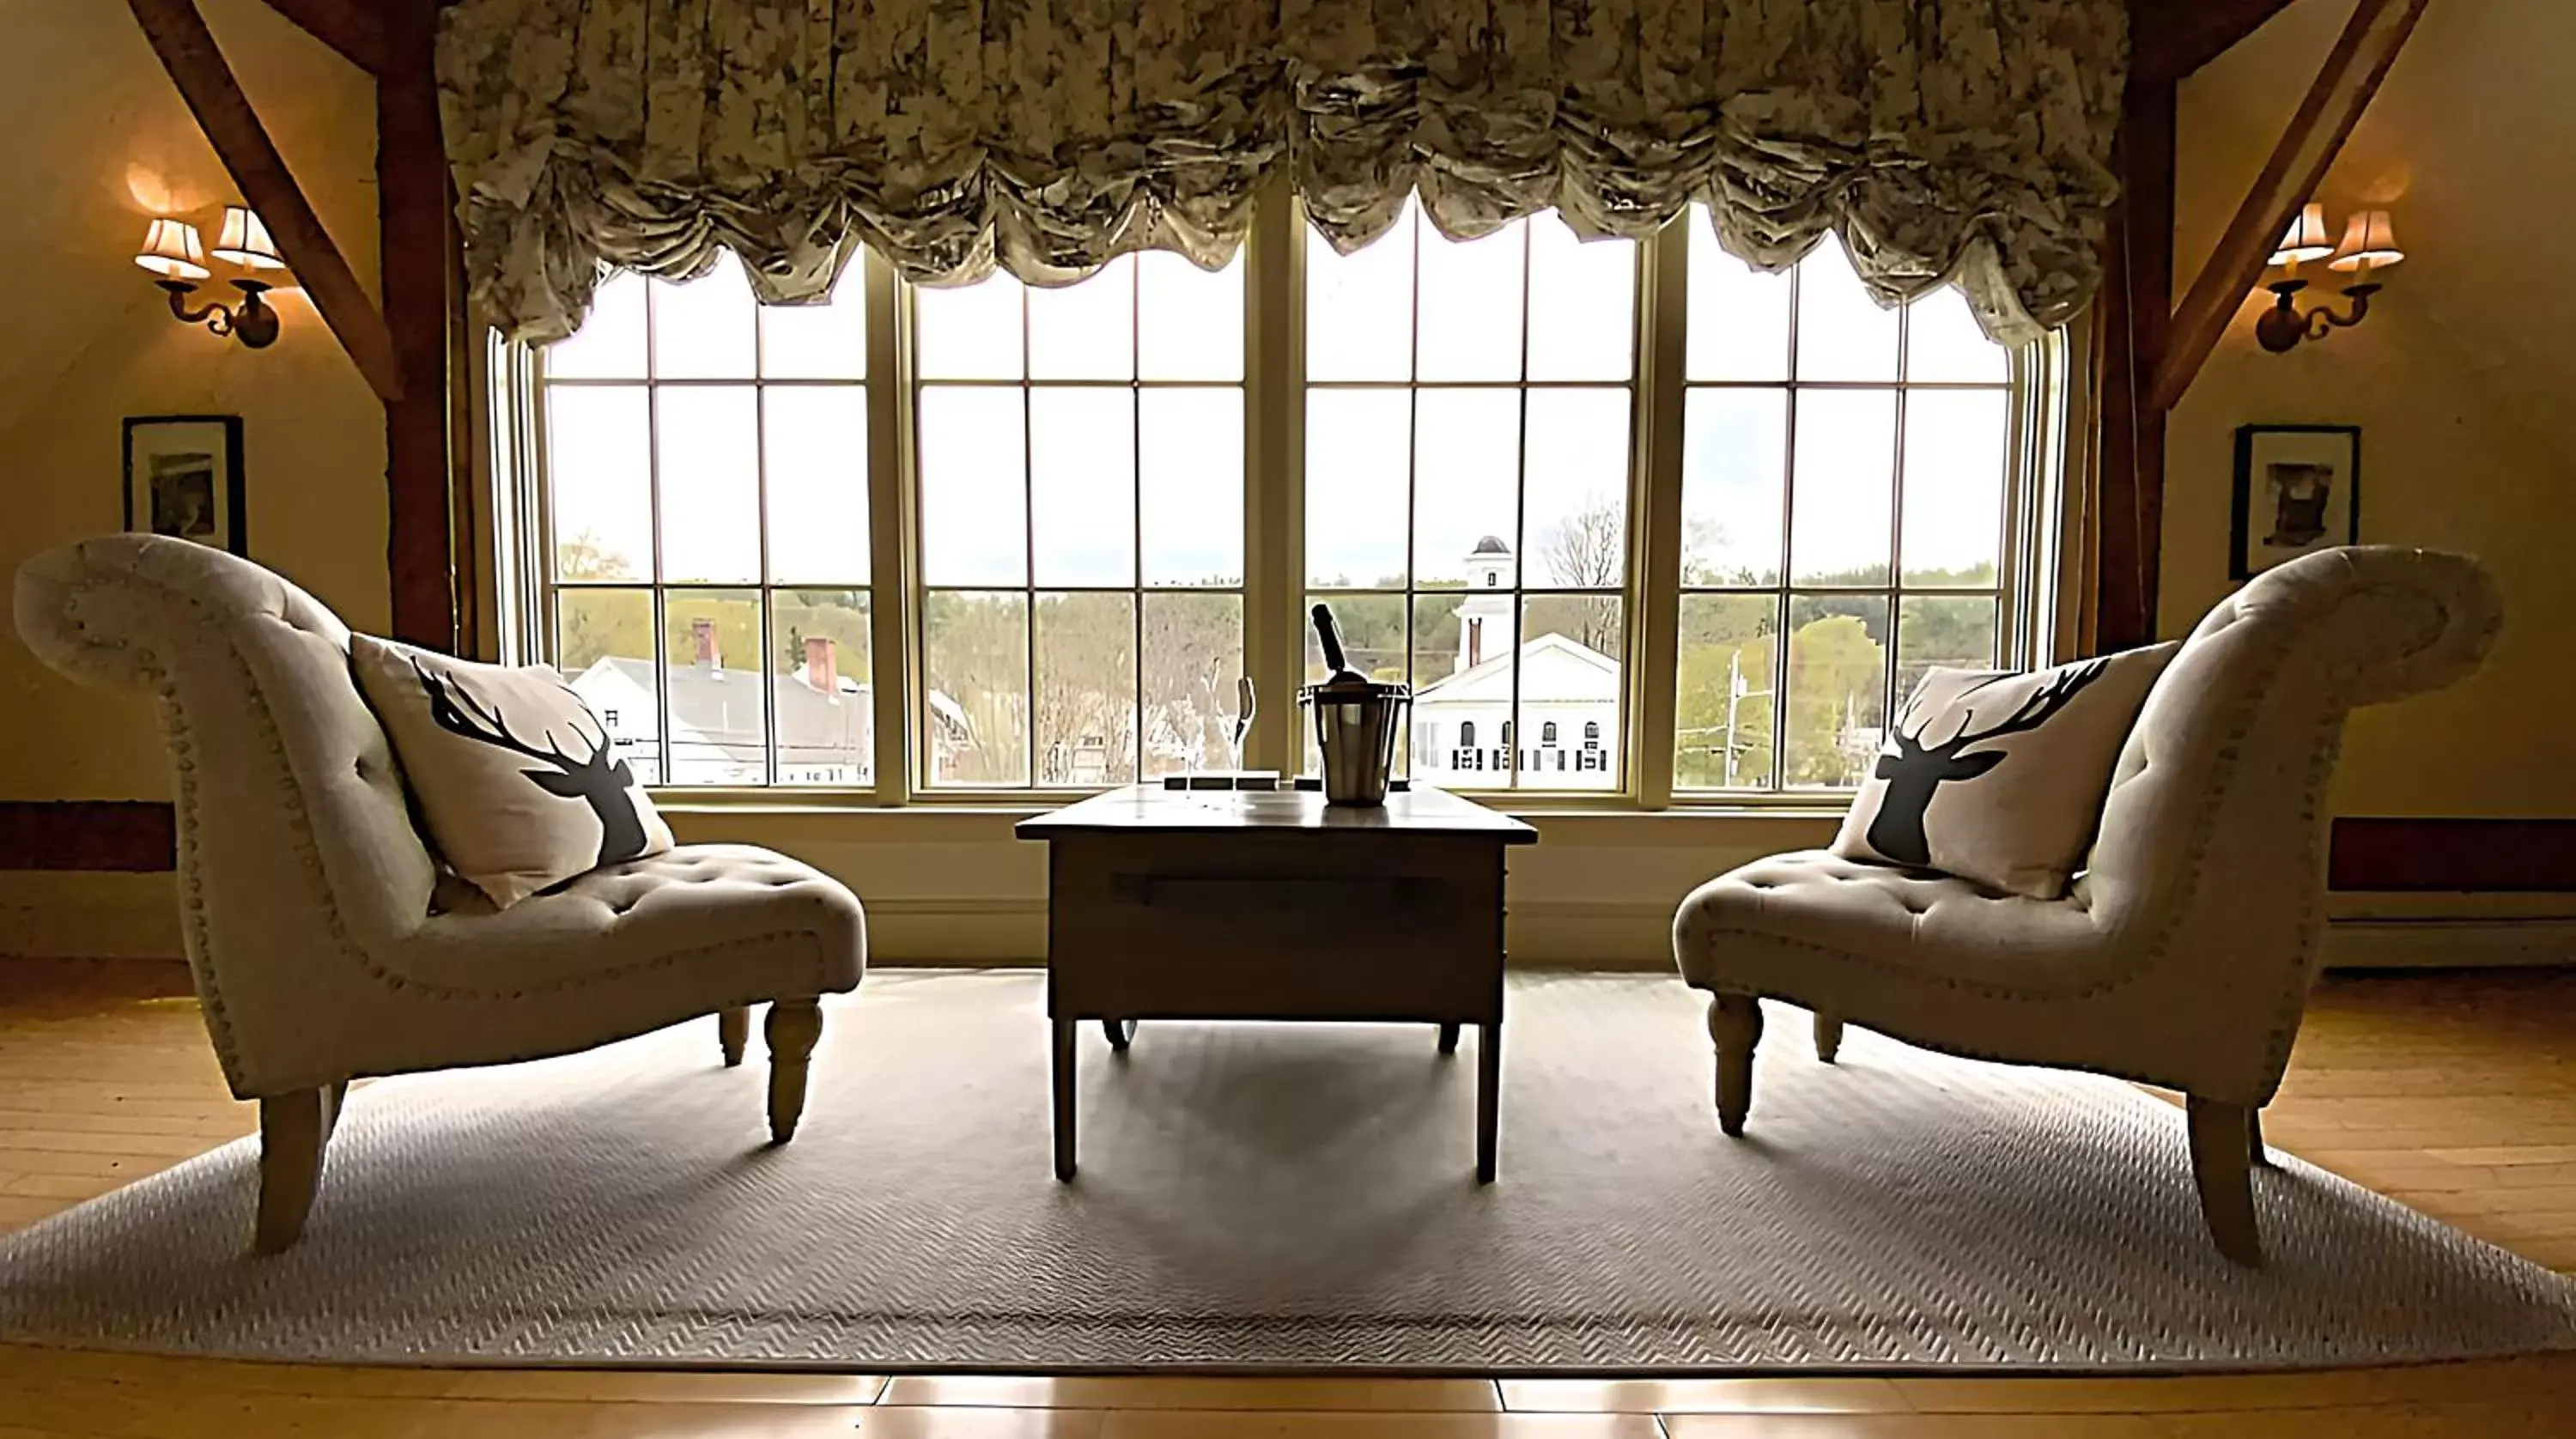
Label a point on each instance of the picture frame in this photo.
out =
(2298, 490)
(183, 478)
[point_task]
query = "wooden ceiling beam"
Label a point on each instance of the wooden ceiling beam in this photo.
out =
(427, 560)
(350, 27)
(2172, 38)
(2325, 119)
(188, 51)
(2136, 302)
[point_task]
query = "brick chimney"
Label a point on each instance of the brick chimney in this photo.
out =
(702, 639)
(822, 664)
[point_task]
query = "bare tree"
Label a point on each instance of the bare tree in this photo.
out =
(585, 555)
(1588, 549)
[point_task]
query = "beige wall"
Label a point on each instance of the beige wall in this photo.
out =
(2459, 380)
(2463, 379)
(100, 143)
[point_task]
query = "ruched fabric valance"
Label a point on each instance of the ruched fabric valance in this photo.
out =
(1942, 139)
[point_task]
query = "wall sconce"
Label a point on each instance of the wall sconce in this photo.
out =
(2369, 244)
(172, 250)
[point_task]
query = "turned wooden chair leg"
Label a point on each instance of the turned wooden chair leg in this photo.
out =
(733, 1031)
(2254, 1150)
(293, 1131)
(1829, 1036)
(793, 1027)
(2221, 1165)
(1735, 1027)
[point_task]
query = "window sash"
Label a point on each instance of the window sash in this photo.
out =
(1033, 587)
(535, 559)
(1274, 588)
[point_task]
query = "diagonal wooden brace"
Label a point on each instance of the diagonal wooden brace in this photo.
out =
(350, 27)
(2325, 119)
(187, 49)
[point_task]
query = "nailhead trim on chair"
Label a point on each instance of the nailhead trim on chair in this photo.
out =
(194, 937)
(2289, 1006)
(308, 852)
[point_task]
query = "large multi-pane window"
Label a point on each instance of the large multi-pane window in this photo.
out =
(707, 527)
(1468, 411)
(1843, 493)
(1096, 506)
(1081, 463)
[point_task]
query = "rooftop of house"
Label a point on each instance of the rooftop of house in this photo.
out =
(721, 706)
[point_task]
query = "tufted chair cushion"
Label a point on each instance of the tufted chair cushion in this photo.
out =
(2183, 956)
(1912, 921)
(306, 895)
(698, 928)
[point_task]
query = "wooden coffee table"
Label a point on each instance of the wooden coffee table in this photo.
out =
(1179, 904)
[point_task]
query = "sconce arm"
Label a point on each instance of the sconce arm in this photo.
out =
(253, 321)
(2323, 319)
(2282, 326)
(179, 291)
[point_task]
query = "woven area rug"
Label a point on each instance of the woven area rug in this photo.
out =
(1270, 1198)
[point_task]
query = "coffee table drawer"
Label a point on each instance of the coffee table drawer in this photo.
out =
(1414, 936)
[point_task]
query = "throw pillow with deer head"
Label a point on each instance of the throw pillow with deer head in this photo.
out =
(2000, 777)
(513, 776)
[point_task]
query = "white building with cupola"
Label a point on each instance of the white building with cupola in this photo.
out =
(1568, 694)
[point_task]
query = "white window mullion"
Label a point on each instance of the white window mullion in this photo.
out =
(1786, 625)
(892, 464)
(664, 760)
(1274, 477)
(523, 595)
(2031, 631)
(762, 595)
(1888, 697)
(1655, 552)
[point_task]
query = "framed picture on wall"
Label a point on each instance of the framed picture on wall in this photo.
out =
(2298, 490)
(183, 477)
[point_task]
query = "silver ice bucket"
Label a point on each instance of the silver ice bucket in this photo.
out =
(1357, 726)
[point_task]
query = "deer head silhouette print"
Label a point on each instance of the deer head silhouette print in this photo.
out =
(597, 780)
(1914, 770)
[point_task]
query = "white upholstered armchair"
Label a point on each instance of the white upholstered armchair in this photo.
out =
(306, 896)
(2183, 955)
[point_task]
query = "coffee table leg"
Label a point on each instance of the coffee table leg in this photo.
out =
(1449, 1039)
(1489, 1096)
(1061, 1081)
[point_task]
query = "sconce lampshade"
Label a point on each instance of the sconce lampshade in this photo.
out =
(171, 249)
(2369, 243)
(244, 241)
(2306, 239)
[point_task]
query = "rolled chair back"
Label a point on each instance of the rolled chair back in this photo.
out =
(2212, 846)
(296, 849)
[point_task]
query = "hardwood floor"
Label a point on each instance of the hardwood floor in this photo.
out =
(2455, 1093)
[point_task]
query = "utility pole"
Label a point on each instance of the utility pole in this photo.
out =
(1738, 690)
(1734, 696)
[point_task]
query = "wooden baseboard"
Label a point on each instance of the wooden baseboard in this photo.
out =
(123, 836)
(2448, 943)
